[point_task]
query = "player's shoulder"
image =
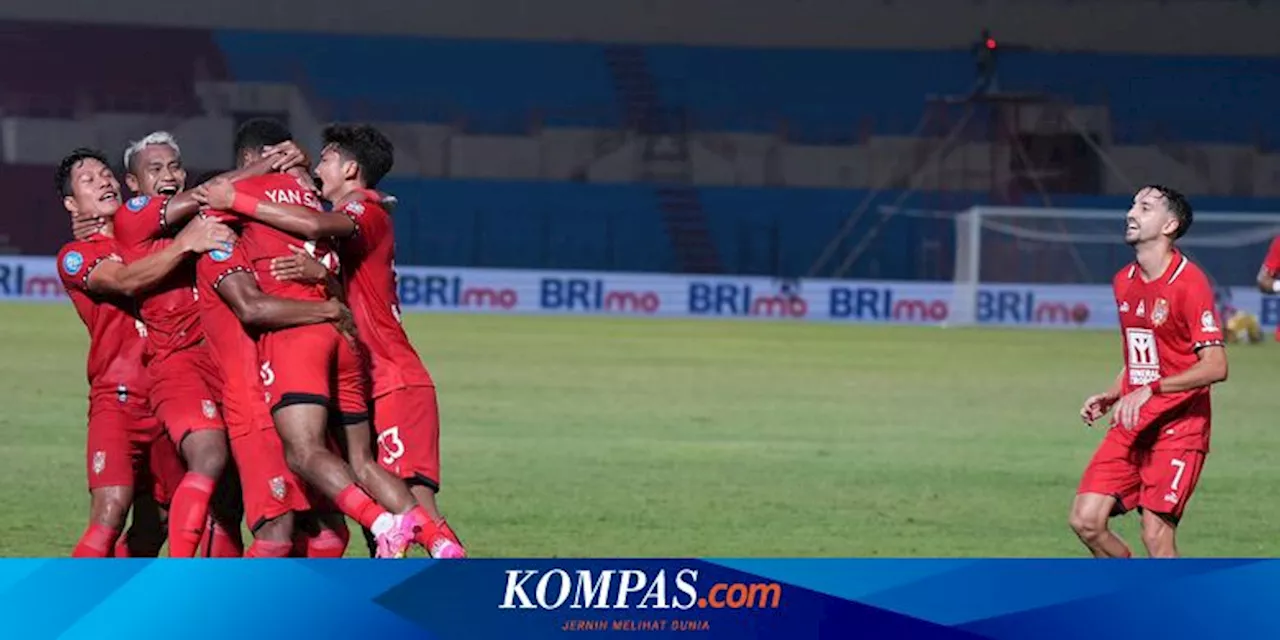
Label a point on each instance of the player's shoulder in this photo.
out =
(1125, 275)
(139, 204)
(78, 256)
(1186, 273)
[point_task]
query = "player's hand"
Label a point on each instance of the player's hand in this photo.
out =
(290, 155)
(1096, 406)
(218, 193)
(83, 228)
(299, 267)
(343, 319)
(205, 234)
(1130, 406)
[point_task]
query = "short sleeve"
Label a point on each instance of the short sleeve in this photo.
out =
(372, 222)
(140, 220)
(1271, 264)
(77, 261)
(213, 267)
(1199, 311)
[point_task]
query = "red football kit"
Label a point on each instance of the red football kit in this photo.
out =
(405, 413)
(126, 445)
(186, 387)
(311, 364)
(1163, 324)
(269, 488)
(1271, 264)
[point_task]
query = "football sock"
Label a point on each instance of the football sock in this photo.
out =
(96, 542)
(354, 502)
(268, 549)
(188, 514)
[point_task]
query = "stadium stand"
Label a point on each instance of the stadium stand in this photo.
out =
(502, 145)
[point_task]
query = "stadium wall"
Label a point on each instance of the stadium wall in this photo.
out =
(1235, 27)
(520, 292)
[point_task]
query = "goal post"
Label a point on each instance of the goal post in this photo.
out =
(1047, 247)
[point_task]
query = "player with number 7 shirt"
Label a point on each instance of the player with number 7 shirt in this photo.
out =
(1173, 349)
(405, 414)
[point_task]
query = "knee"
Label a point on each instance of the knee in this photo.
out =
(1158, 538)
(1088, 525)
(110, 506)
(298, 456)
(206, 453)
(277, 529)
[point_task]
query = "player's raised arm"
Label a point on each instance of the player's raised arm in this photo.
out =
(137, 277)
(298, 220)
(182, 206)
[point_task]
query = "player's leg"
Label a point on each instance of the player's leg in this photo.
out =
(272, 494)
(153, 492)
(222, 537)
(184, 394)
(407, 422)
(146, 534)
(322, 533)
(302, 428)
(109, 506)
(110, 471)
(1169, 478)
(298, 366)
(1110, 486)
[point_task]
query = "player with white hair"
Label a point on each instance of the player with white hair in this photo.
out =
(186, 386)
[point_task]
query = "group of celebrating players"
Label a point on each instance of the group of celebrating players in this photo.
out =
(247, 361)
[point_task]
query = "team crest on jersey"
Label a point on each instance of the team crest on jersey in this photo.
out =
(209, 409)
(72, 262)
(355, 208)
(1207, 323)
(99, 462)
(1160, 312)
(137, 203)
(278, 487)
(223, 254)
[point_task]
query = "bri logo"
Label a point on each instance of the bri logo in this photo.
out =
(631, 588)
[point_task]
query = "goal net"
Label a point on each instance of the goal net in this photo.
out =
(998, 246)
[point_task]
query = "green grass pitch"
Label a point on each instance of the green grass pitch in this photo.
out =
(615, 437)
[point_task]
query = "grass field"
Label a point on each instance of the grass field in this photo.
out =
(610, 437)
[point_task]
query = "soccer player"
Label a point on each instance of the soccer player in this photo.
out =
(405, 414)
(1173, 352)
(185, 386)
(232, 303)
(1268, 283)
(127, 453)
(310, 372)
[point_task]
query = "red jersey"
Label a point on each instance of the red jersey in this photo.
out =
(370, 257)
(169, 310)
(262, 243)
(1271, 264)
(233, 351)
(116, 336)
(1163, 324)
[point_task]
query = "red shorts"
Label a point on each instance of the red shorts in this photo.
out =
(185, 391)
(314, 364)
(1159, 480)
(127, 447)
(407, 422)
(270, 489)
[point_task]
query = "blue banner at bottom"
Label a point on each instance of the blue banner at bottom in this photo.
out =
(820, 598)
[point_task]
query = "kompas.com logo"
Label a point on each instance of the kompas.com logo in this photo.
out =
(631, 588)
